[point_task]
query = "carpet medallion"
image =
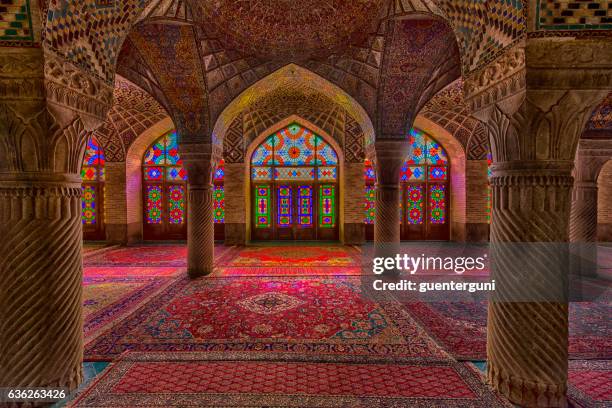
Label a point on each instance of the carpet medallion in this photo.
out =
(270, 379)
(317, 315)
(460, 328)
(590, 383)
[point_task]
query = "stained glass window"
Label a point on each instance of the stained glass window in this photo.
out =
(327, 206)
(165, 191)
(414, 204)
(283, 206)
(89, 204)
(92, 175)
(220, 172)
(297, 152)
(290, 169)
(262, 207)
(176, 204)
(370, 174)
(424, 179)
(154, 204)
(370, 204)
(437, 203)
(305, 206)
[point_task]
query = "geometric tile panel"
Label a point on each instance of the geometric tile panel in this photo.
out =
(89, 33)
(15, 23)
(574, 15)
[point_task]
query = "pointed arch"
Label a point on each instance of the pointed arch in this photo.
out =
(292, 76)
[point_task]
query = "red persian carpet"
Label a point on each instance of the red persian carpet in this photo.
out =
(256, 380)
(147, 255)
(127, 271)
(294, 315)
(291, 260)
(590, 383)
(460, 328)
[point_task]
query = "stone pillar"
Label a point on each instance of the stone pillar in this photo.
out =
(390, 156)
(41, 327)
(535, 101)
(527, 334)
(604, 203)
(200, 217)
(591, 156)
(47, 110)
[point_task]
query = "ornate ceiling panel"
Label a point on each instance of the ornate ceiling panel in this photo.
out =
(167, 10)
(290, 29)
(171, 52)
(449, 110)
(420, 58)
(133, 112)
(90, 33)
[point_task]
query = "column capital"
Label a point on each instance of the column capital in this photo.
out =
(390, 157)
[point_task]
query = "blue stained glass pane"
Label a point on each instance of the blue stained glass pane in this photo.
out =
(172, 156)
(325, 153)
(263, 155)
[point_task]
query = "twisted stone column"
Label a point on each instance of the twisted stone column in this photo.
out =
(583, 228)
(527, 334)
(535, 101)
(592, 155)
(200, 230)
(390, 156)
(41, 326)
(200, 217)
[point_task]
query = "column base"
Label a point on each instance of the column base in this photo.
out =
(195, 273)
(526, 393)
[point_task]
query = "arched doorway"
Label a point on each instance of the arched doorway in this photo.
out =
(92, 202)
(164, 182)
(294, 185)
(425, 186)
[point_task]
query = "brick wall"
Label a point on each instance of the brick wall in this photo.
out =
(115, 199)
(354, 185)
(235, 209)
(477, 191)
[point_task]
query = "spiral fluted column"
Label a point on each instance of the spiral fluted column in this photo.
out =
(390, 156)
(41, 327)
(592, 155)
(527, 335)
(200, 230)
(583, 228)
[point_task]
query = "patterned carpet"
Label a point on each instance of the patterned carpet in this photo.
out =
(291, 260)
(305, 315)
(460, 328)
(106, 301)
(255, 379)
(590, 383)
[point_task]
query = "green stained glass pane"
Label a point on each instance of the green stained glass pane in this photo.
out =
(327, 206)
